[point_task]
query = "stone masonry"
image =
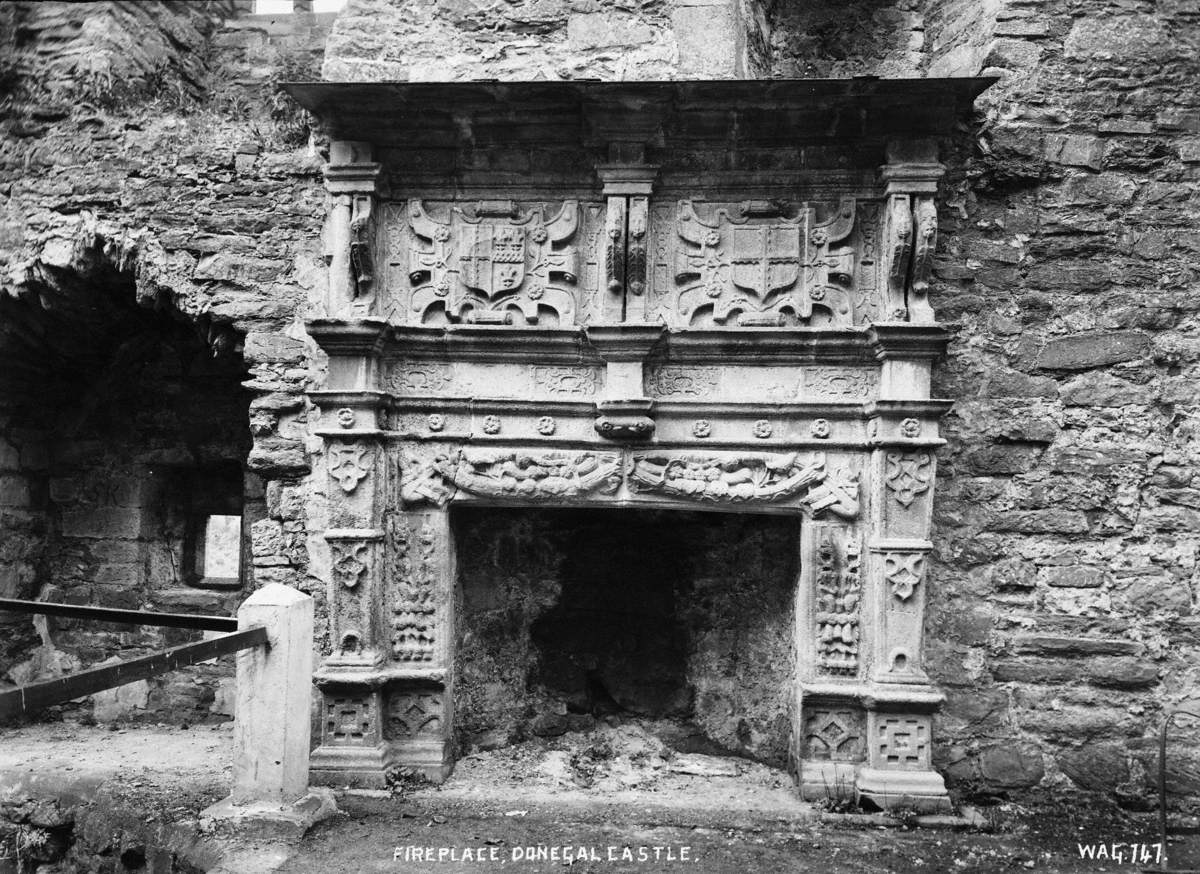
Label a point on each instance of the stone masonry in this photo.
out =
(1060, 619)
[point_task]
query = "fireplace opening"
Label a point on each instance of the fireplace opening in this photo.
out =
(679, 624)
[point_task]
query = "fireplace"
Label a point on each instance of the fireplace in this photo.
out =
(568, 318)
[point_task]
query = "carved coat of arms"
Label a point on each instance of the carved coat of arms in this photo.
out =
(493, 263)
(733, 268)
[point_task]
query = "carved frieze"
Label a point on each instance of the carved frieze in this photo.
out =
(747, 478)
(753, 266)
(672, 381)
(908, 474)
(419, 377)
(509, 474)
(839, 594)
(565, 381)
(839, 382)
(494, 262)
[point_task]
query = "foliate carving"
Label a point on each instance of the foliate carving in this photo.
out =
(820, 428)
(763, 429)
(568, 381)
(546, 426)
(346, 417)
(733, 268)
(904, 572)
(834, 734)
(532, 474)
(839, 382)
(414, 557)
(903, 742)
(349, 561)
(908, 474)
(839, 592)
(701, 428)
(436, 422)
(494, 263)
(420, 377)
(635, 253)
(667, 382)
(910, 428)
(491, 424)
(737, 479)
(414, 714)
(349, 463)
(350, 719)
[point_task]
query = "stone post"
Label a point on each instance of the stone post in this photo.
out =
(274, 694)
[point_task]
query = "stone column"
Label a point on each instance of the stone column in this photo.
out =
(902, 429)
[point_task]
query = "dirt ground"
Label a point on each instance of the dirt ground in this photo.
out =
(611, 801)
(619, 799)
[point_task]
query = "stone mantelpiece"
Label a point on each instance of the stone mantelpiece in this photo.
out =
(646, 295)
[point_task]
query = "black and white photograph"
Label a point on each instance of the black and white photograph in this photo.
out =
(605, 436)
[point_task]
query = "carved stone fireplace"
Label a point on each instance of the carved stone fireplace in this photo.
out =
(662, 296)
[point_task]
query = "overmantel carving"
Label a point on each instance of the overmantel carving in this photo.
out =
(753, 265)
(493, 262)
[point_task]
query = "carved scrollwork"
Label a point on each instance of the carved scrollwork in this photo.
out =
(511, 474)
(734, 270)
(494, 263)
(737, 479)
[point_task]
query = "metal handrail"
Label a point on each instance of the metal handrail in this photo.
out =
(26, 699)
(113, 614)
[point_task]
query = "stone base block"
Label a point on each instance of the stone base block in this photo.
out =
(923, 791)
(833, 780)
(430, 758)
(359, 767)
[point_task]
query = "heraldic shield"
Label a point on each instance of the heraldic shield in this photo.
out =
(765, 258)
(492, 258)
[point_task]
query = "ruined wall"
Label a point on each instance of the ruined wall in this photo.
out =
(452, 40)
(147, 160)
(684, 619)
(1062, 612)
